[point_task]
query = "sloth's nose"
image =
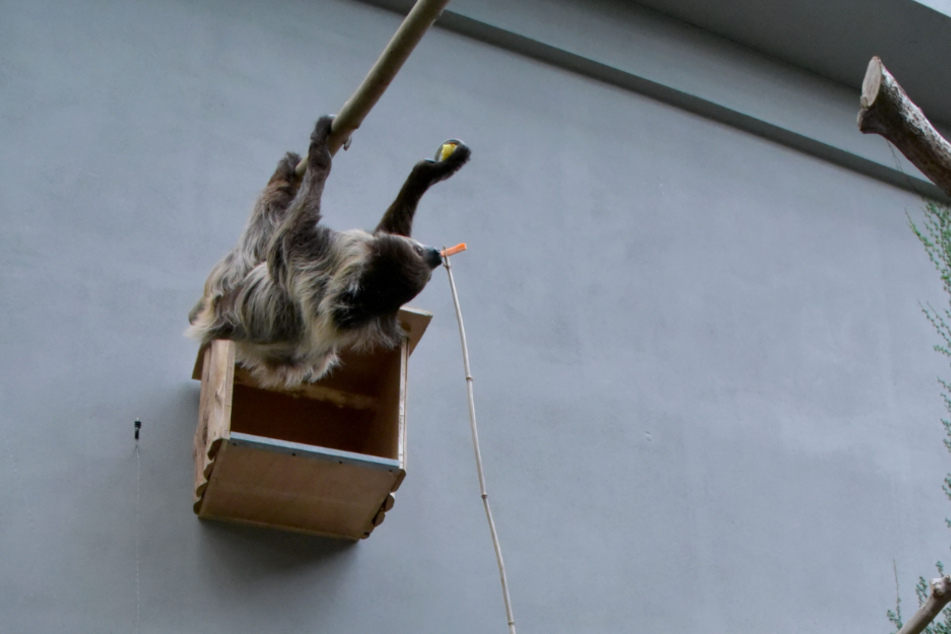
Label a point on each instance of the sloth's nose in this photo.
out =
(431, 257)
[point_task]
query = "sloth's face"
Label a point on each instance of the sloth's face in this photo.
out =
(398, 269)
(427, 254)
(416, 260)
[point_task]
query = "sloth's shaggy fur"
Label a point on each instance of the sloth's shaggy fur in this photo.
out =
(293, 292)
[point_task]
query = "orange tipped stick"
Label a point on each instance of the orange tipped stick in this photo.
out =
(459, 248)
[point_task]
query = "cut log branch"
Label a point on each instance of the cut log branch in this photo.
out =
(939, 597)
(887, 111)
(411, 31)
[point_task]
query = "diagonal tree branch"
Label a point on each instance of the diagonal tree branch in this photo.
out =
(411, 31)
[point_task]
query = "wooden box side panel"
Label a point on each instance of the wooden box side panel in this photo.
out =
(390, 418)
(389, 421)
(414, 322)
(214, 408)
(295, 492)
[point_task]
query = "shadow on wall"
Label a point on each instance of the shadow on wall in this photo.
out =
(259, 552)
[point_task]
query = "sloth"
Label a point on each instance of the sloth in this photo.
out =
(294, 292)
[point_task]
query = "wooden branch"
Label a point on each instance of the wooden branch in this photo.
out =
(887, 110)
(411, 31)
(939, 597)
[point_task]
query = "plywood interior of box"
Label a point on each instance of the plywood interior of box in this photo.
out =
(366, 422)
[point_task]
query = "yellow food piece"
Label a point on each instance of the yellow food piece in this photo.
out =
(447, 150)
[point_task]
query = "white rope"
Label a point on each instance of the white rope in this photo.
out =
(478, 453)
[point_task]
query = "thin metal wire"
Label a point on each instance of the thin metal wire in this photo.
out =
(478, 452)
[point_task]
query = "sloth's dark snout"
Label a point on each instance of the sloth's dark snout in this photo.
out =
(432, 257)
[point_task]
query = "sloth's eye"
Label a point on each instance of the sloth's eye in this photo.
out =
(418, 249)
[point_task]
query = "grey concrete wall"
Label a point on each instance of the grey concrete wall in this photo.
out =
(636, 48)
(706, 393)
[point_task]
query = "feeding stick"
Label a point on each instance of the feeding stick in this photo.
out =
(475, 440)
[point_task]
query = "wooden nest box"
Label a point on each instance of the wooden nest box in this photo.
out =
(323, 458)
